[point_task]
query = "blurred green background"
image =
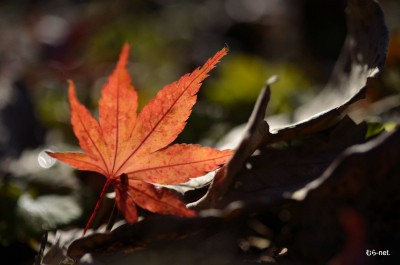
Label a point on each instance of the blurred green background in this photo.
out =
(45, 43)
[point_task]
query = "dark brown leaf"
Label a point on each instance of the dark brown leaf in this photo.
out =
(362, 182)
(273, 173)
(255, 132)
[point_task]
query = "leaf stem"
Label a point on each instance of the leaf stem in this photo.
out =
(103, 193)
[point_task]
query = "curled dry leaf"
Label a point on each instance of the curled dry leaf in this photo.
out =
(363, 56)
(153, 231)
(255, 132)
(274, 173)
(360, 184)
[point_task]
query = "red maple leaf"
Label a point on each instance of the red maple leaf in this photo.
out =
(132, 151)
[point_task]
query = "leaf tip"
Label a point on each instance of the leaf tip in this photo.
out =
(226, 48)
(123, 57)
(224, 51)
(217, 57)
(72, 93)
(71, 86)
(51, 153)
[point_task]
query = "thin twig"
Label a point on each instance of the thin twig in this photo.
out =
(43, 242)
